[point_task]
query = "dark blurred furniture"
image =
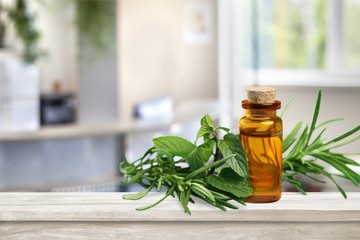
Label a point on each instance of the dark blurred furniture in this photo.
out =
(57, 109)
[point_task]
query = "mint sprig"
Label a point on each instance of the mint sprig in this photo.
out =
(214, 170)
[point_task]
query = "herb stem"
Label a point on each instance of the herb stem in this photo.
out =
(217, 156)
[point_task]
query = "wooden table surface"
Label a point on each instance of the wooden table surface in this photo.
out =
(107, 216)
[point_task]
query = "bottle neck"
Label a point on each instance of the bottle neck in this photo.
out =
(260, 113)
(255, 110)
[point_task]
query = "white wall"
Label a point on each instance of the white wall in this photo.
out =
(154, 59)
(97, 82)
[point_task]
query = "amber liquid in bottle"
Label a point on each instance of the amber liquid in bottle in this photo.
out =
(261, 137)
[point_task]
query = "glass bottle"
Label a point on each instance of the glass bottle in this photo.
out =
(261, 137)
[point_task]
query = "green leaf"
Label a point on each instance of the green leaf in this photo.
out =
(184, 197)
(207, 149)
(207, 122)
(339, 165)
(294, 182)
(299, 146)
(176, 146)
(329, 121)
(345, 135)
(137, 177)
(231, 146)
(315, 116)
(169, 192)
(226, 204)
(195, 159)
(227, 130)
(207, 127)
(304, 168)
(341, 158)
(342, 143)
(231, 182)
(290, 139)
(207, 167)
(317, 143)
(202, 191)
(137, 196)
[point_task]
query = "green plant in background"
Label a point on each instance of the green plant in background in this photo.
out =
(217, 172)
(23, 21)
(2, 25)
(95, 22)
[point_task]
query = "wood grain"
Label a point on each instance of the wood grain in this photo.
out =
(107, 216)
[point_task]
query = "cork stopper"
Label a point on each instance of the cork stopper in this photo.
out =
(261, 95)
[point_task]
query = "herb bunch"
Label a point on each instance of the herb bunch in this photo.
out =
(215, 170)
(309, 155)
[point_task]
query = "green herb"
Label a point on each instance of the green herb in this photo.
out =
(214, 170)
(304, 152)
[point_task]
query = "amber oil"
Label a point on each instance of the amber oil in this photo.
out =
(261, 137)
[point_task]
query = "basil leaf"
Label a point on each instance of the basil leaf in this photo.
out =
(176, 146)
(207, 128)
(229, 146)
(229, 181)
(195, 159)
(207, 148)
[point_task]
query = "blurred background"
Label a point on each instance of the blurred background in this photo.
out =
(86, 83)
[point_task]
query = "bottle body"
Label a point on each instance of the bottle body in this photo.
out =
(261, 137)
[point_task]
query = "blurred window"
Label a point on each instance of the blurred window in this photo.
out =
(320, 37)
(351, 33)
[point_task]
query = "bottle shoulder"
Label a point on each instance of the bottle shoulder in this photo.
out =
(259, 126)
(274, 119)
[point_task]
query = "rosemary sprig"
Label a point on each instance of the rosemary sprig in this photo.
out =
(304, 154)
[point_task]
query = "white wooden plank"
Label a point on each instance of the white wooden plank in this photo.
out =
(110, 207)
(89, 216)
(179, 230)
